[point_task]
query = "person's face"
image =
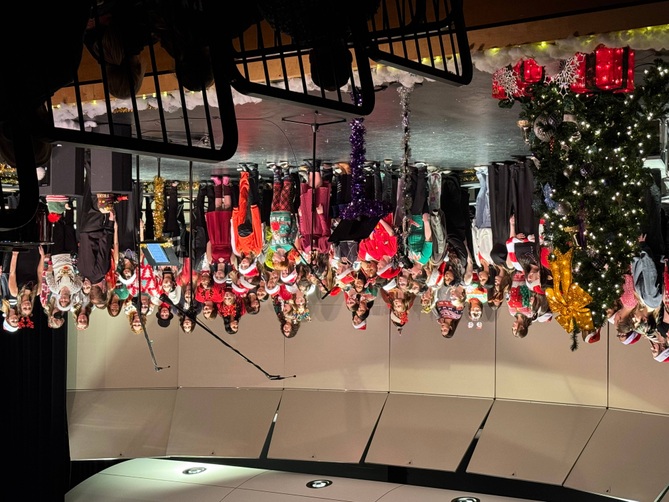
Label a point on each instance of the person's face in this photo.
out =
(168, 283)
(207, 309)
(449, 277)
(350, 301)
(228, 298)
(621, 336)
(261, 292)
(82, 321)
(426, 298)
(357, 319)
(300, 300)
(56, 322)
(136, 322)
(483, 277)
(254, 303)
(498, 280)
(86, 286)
(187, 325)
(219, 274)
(278, 256)
(286, 328)
(13, 318)
(362, 309)
(245, 263)
(26, 307)
(444, 326)
(517, 325)
(127, 273)
(187, 293)
(234, 325)
(272, 280)
(475, 310)
(534, 274)
(205, 280)
(164, 313)
(115, 308)
(398, 305)
(286, 308)
(64, 299)
(369, 268)
(402, 281)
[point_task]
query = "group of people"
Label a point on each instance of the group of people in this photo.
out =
(376, 236)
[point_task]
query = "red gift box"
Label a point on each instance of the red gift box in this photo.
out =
(606, 69)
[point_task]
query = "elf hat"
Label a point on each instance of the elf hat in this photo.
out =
(361, 325)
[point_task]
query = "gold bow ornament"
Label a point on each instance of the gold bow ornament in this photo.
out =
(567, 300)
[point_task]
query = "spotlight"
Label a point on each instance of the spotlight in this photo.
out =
(194, 470)
(319, 483)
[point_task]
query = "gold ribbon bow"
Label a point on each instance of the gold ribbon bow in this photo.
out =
(568, 300)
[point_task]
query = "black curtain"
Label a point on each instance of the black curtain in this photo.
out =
(34, 416)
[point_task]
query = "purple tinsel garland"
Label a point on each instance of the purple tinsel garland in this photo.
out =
(360, 205)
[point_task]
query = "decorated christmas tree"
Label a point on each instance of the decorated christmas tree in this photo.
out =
(590, 132)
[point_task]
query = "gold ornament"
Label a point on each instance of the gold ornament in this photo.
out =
(568, 300)
(159, 206)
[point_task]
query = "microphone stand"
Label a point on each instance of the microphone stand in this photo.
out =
(191, 315)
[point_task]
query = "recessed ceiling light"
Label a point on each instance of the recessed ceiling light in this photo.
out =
(319, 483)
(466, 499)
(194, 470)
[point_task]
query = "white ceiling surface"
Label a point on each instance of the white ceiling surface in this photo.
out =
(164, 481)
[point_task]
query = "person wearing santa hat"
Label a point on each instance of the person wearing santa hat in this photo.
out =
(247, 228)
(358, 323)
(659, 347)
(381, 243)
(629, 338)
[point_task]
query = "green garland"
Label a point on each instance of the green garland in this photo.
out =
(590, 152)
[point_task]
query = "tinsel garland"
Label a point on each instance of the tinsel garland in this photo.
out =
(405, 93)
(360, 205)
(159, 206)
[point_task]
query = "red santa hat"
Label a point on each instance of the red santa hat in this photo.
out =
(249, 271)
(130, 280)
(545, 253)
(239, 289)
(392, 283)
(592, 337)
(662, 357)
(361, 325)
(274, 290)
(219, 280)
(245, 283)
(345, 276)
(335, 291)
(632, 337)
(290, 278)
(388, 272)
(436, 277)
